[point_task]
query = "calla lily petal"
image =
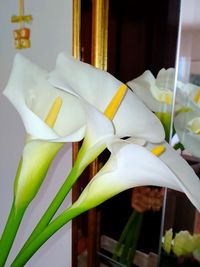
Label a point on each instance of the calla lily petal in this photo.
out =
(190, 95)
(189, 139)
(32, 96)
(141, 87)
(96, 138)
(98, 88)
(165, 79)
(167, 241)
(186, 177)
(132, 165)
(155, 93)
(183, 244)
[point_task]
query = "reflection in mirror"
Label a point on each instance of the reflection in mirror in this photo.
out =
(187, 123)
(181, 218)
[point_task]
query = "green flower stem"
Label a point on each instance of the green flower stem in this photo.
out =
(60, 196)
(57, 201)
(10, 232)
(53, 227)
(135, 237)
(118, 247)
(131, 239)
(165, 119)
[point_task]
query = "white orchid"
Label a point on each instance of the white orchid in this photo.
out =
(187, 125)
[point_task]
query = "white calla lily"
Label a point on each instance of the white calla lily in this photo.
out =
(187, 126)
(32, 96)
(132, 165)
(157, 92)
(189, 94)
(98, 87)
(99, 131)
(186, 178)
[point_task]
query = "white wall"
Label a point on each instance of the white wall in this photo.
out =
(50, 33)
(190, 40)
(190, 37)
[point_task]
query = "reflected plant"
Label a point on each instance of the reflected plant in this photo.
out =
(157, 94)
(187, 126)
(183, 247)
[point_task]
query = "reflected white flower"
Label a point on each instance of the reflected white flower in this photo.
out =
(188, 96)
(194, 125)
(187, 126)
(157, 92)
(183, 245)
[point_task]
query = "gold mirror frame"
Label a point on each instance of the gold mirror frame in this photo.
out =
(99, 50)
(99, 32)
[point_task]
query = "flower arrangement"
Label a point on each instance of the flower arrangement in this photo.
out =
(79, 102)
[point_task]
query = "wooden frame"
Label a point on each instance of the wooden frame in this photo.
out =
(99, 47)
(76, 28)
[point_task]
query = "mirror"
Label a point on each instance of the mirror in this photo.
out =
(126, 40)
(180, 214)
(188, 79)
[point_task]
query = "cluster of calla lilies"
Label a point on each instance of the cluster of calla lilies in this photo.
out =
(73, 102)
(157, 93)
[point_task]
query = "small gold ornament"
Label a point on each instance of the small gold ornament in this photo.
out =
(21, 35)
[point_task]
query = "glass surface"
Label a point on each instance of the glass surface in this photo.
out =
(179, 213)
(187, 123)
